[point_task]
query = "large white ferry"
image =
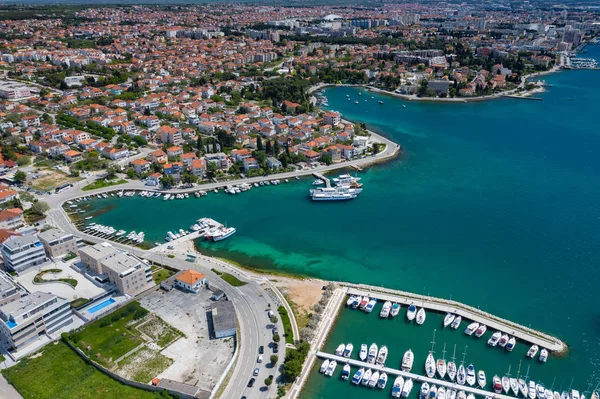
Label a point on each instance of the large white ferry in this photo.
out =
(334, 193)
(220, 233)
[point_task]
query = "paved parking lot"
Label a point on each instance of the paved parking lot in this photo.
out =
(199, 360)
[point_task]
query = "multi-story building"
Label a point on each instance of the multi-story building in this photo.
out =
(129, 275)
(170, 135)
(22, 252)
(332, 118)
(24, 320)
(58, 243)
(14, 91)
(11, 218)
(8, 291)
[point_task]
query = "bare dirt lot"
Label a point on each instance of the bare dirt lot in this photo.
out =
(302, 295)
(198, 360)
(50, 179)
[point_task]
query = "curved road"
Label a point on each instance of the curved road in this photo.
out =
(250, 302)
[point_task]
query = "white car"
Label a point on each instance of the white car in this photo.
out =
(260, 359)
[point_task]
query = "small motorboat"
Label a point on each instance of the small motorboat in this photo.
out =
(543, 355)
(471, 328)
(411, 313)
(421, 316)
(532, 351)
(481, 380)
(480, 331)
(493, 341)
(456, 323)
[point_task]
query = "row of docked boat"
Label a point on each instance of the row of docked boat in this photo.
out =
(370, 378)
(346, 187)
(171, 197)
(112, 233)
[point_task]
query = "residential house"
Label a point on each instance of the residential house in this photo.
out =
(190, 280)
(140, 166)
(158, 156)
(249, 164)
(72, 156)
(11, 218)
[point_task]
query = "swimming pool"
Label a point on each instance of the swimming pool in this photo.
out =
(101, 305)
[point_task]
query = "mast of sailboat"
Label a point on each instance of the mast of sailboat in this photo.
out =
(464, 355)
(553, 381)
(571, 385)
(454, 354)
(527, 375)
(444, 352)
(588, 388)
(508, 374)
(519, 370)
(433, 341)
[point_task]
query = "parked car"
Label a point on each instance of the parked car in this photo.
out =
(260, 359)
(251, 382)
(275, 331)
(275, 347)
(256, 371)
(261, 350)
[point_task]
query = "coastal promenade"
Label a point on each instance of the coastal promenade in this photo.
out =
(465, 311)
(415, 377)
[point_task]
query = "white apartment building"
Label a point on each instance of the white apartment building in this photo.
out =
(23, 252)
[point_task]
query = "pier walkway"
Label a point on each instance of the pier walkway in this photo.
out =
(415, 377)
(323, 178)
(466, 312)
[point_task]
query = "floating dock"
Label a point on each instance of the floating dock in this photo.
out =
(323, 178)
(466, 312)
(414, 377)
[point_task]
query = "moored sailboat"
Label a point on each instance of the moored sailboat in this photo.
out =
(449, 319)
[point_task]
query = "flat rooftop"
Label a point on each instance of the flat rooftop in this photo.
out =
(223, 315)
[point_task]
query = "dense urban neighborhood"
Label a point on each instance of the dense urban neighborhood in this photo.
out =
(124, 100)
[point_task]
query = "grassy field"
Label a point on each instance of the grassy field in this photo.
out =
(287, 325)
(108, 338)
(143, 365)
(162, 334)
(103, 183)
(58, 373)
(161, 275)
(52, 180)
(231, 279)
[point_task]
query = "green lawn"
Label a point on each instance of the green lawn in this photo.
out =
(287, 325)
(161, 275)
(103, 183)
(231, 279)
(60, 374)
(108, 338)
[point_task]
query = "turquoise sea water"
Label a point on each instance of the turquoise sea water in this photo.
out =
(496, 204)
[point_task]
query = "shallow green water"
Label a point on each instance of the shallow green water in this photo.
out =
(495, 204)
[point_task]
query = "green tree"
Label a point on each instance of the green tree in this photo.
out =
(259, 144)
(268, 147)
(20, 176)
(274, 359)
(40, 207)
(24, 160)
(111, 171)
(268, 381)
(211, 170)
(167, 181)
(276, 338)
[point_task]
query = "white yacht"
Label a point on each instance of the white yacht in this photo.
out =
(498, 384)
(462, 395)
(514, 385)
(456, 323)
(540, 391)
(430, 366)
(346, 372)
(382, 356)
(523, 388)
(471, 375)
(358, 376)
(451, 370)
(348, 350)
(441, 368)
(385, 310)
(543, 355)
(324, 366)
(481, 380)
(424, 390)
(480, 331)
(441, 393)
(408, 360)
(432, 392)
(372, 353)
(371, 305)
(382, 382)
(574, 394)
(351, 300)
(532, 351)
(451, 394)
(331, 368)
(373, 380)
(397, 387)
(411, 312)
(421, 316)
(340, 350)
(338, 193)
(510, 345)
(408, 385)
(362, 355)
(357, 302)
(449, 319)
(471, 328)
(503, 340)
(221, 233)
(395, 309)
(505, 384)
(461, 375)
(493, 341)
(366, 377)
(470, 396)
(531, 390)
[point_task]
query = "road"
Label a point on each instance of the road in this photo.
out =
(7, 391)
(251, 303)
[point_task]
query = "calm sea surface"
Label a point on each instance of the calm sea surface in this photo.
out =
(496, 204)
